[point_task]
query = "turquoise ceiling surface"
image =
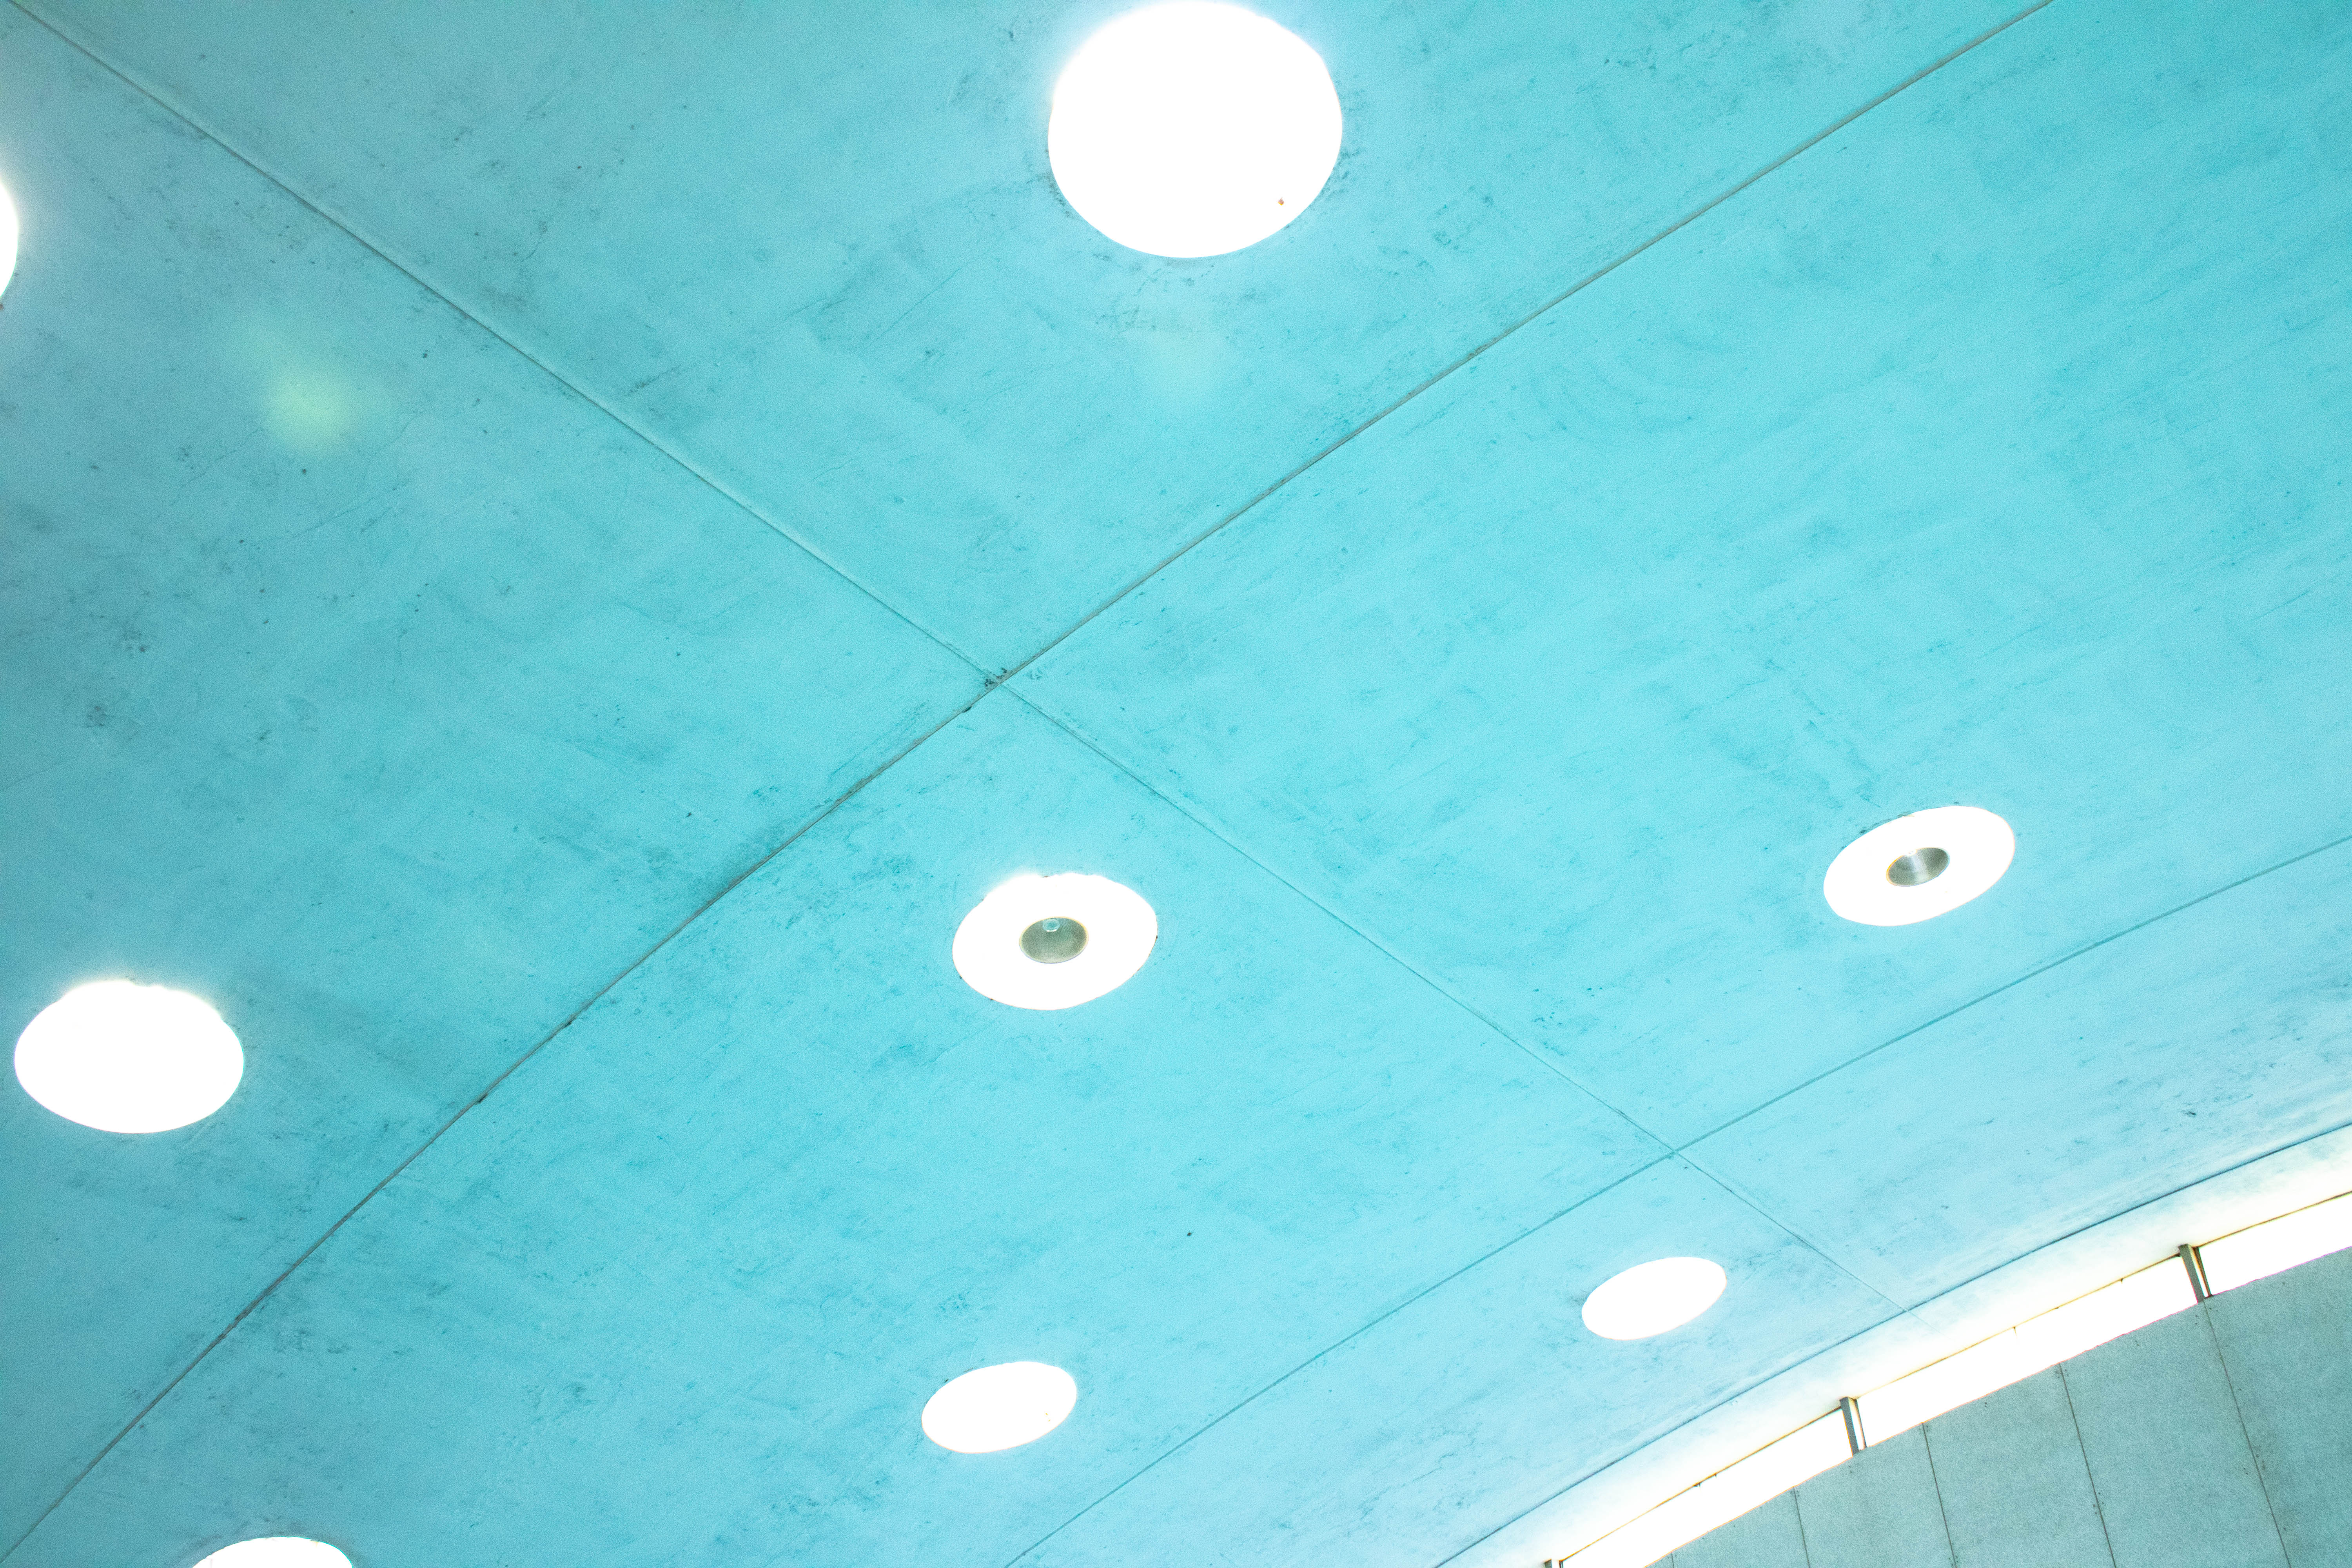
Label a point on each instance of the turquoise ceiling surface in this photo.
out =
(552, 554)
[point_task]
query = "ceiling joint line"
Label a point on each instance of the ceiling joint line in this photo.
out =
(383, 254)
(2035, 974)
(1912, 1311)
(1337, 1344)
(1530, 318)
(1219, 834)
(808, 826)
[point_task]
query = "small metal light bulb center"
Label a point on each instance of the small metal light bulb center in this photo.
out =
(1918, 867)
(1054, 940)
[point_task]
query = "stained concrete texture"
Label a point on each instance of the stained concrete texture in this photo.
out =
(2217, 1438)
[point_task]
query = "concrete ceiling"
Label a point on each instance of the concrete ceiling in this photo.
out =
(553, 554)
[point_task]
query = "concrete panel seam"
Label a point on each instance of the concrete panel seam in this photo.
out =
(2083, 1452)
(2222, 1355)
(1935, 1484)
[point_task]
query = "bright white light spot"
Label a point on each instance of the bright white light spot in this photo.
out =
(1192, 129)
(277, 1551)
(129, 1058)
(1000, 1407)
(2278, 1245)
(1651, 1298)
(1861, 886)
(8, 239)
(1120, 929)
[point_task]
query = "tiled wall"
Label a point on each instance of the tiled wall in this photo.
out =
(2216, 1438)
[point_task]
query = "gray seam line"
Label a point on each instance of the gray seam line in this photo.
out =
(1943, 1515)
(2083, 1452)
(1948, 1291)
(156, 97)
(2238, 1408)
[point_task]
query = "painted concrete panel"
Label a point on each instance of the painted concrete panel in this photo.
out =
(887, 329)
(2287, 1343)
(2167, 1455)
(355, 676)
(2015, 1490)
(1487, 1388)
(2132, 1070)
(1840, 393)
(723, 1238)
(1878, 1509)
(1766, 1537)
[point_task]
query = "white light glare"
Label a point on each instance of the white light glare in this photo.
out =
(1121, 929)
(124, 1057)
(999, 1408)
(1977, 844)
(1192, 129)
(1721, 1497)
(7, 240)
(1651, 1298)
(2038, 1343)
(2278, 1245)
(277, 1551)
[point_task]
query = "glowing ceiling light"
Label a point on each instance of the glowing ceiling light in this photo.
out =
(1054, 942)
(1651, 1298)
(1192, 129)
(1918, 867)
(999, 1408)
(8, 239)
(277, 1551)
(129, 1058)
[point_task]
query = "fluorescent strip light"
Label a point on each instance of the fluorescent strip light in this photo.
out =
(1721, 1497)
(2112, 1310)
(2108, 1314)
(2275, 1246)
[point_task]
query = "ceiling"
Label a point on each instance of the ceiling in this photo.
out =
(553, 552)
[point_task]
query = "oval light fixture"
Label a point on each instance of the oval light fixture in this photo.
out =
(124, 1057)
(1192, 129)
(999, 1408)
(277, 1551)
(1054, 942)
(8, 239)
(1918, 867)
(1651, 1298)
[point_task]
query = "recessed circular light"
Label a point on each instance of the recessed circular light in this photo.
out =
(8, 239)
(1918, 866)
(277, 1551)
(1651, 1298)
(1192, 129)
(999, 1408)
(129, 1058)
(1054, 942)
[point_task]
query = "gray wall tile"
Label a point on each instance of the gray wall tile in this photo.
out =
(2016, 1492)
(2287, 1343)
(1879, 1510)
(2168, 1459)
(1765, 1537)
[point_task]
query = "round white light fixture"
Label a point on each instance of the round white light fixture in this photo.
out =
(1651, 1298)
(1054, 942)
(8, 239)
(1918, 866)
(1192, 129)
(277, 1551)
(129, 1058)
(1000, 1407)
